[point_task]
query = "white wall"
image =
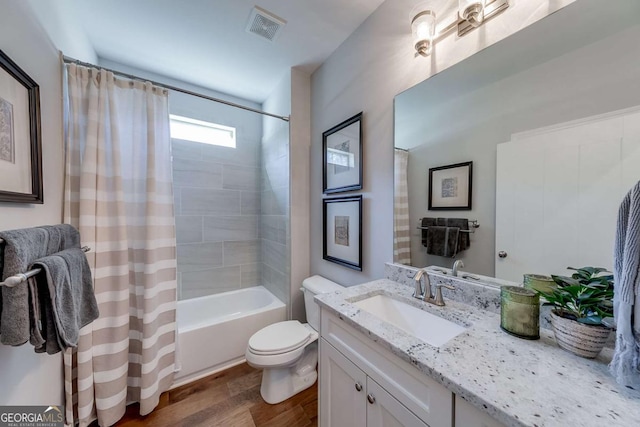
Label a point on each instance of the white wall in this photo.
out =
(63, 26)
(28, 378)
(364, 74)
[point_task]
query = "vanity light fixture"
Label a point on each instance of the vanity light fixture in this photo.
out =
(471, 14)
(423, 28)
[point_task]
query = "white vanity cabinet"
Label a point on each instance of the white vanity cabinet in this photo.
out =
(348, 397)
(363, 384)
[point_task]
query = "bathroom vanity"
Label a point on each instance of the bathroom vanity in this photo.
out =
(377, 373)
(363, 384)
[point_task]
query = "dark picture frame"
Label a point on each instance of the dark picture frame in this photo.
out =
(13, 141)
(342, 231)
(342, 156)
(451, 187)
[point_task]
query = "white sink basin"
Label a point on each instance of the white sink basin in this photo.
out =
(432, 329)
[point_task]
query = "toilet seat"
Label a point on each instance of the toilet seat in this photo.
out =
(279, 338)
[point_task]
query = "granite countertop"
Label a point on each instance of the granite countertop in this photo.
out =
(516, 381)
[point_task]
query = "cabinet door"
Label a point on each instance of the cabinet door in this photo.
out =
(342, 390)
(470, 416)
(383, 410)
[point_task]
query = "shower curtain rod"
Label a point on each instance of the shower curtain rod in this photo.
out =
(174, 88)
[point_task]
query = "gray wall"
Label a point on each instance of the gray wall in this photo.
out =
(217, 192)
(217, 202)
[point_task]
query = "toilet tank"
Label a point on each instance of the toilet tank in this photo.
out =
(311, 287)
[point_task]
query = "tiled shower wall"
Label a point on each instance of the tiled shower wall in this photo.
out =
(217, 201)
(274, 224)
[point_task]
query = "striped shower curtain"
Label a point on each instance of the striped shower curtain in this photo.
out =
(401, 228)
(118, 194)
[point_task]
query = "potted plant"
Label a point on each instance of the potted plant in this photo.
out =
(581, 302)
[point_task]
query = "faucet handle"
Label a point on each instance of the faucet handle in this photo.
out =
(439, 299)
(419, 289)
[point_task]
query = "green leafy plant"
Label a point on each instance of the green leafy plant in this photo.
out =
(586, 296)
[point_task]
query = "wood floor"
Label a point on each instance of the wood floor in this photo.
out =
(227, 399)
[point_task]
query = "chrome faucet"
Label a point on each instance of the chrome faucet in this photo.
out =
(456, 265)
(424, 292)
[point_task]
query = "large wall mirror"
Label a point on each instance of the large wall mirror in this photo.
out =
(550, 118)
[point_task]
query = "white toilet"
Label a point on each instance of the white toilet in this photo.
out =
(287, 351)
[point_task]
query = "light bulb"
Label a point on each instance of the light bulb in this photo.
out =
(423, 28)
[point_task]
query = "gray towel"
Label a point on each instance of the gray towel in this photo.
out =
(464, 240)
(20, 306)
(625, 366)
(442, 241)
(21, 248)
(70, 289)
(426, 222)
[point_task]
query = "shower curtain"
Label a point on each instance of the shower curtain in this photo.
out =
(118, 193)
(401, 228)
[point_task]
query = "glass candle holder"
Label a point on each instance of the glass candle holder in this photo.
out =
(520, 312)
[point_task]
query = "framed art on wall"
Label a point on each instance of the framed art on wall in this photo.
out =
(342, 231)
(450, 187)
(20, 145)
(342, 156)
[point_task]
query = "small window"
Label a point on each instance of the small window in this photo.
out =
(201, 131)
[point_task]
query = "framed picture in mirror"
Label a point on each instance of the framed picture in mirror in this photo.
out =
(342, 231)
(450, 187)
(342, 156)
(20, 146)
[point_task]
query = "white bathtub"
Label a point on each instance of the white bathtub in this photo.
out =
(213, 331)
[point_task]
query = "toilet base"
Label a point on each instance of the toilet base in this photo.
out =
(279, 384)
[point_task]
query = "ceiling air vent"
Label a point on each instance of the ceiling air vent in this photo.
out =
(265, 24)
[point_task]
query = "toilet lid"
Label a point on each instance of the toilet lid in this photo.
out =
(279, 338)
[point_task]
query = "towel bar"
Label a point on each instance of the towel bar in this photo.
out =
(473, 224)
(23, 277)
(461, 231)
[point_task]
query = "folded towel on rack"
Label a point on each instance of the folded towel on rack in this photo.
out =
(66, 290)
(442, 241)
(464, 241)
(36, 337)
(61, 237)
(19, 314)
(424, 223)
(21, 248)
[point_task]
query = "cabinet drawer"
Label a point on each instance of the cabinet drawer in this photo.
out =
(430, 401)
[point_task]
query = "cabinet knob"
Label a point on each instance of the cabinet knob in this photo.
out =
(358, 387)
(371, 398)
(502, 254)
